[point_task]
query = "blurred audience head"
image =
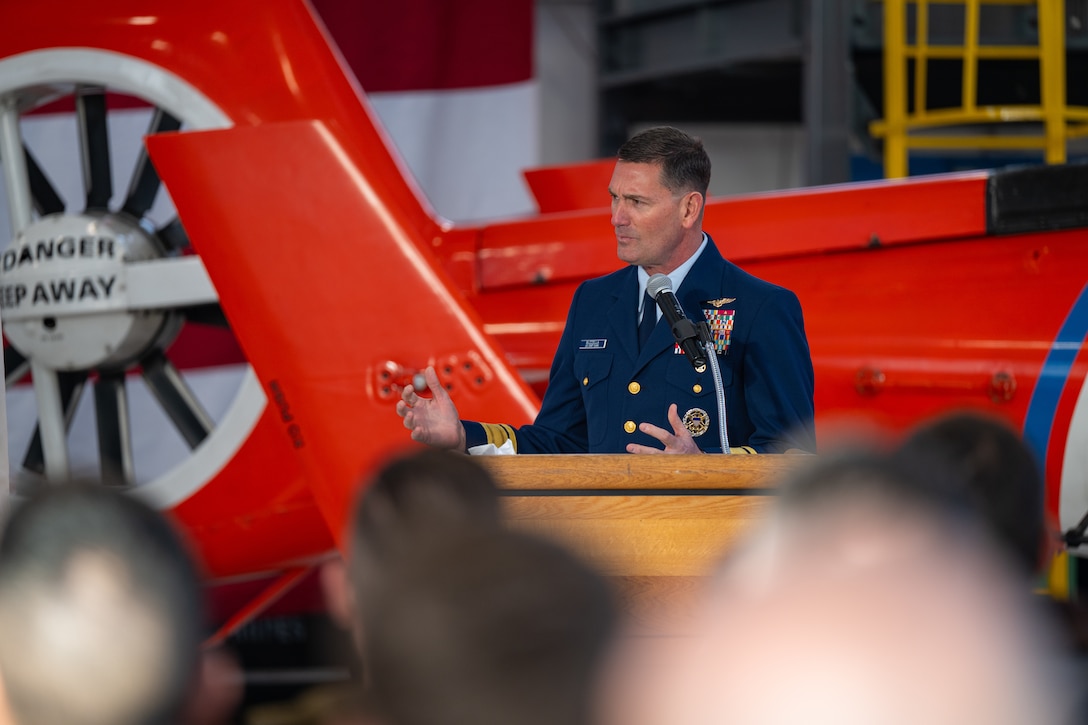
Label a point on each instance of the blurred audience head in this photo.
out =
(418, 492)
(868, 595)
(999, 475)
(412, 497)
(100, 610)
(488, 627)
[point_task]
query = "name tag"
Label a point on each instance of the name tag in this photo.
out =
(598, 344)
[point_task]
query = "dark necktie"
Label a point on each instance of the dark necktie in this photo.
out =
(649, 320)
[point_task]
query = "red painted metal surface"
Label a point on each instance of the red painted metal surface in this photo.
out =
(570, 187)
(321, 321)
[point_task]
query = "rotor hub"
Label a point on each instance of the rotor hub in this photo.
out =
(63, 292)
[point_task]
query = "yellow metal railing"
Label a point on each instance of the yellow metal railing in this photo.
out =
(1057, 121)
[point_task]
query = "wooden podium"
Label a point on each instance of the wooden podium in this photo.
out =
(654, 524)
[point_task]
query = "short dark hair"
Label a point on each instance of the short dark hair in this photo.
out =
(489, 627)
(414, 495)
(996, 471)
(63, 552)
(421, 487)
(685, 165)
(870, 476)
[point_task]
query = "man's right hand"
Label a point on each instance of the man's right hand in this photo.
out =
(433, 420)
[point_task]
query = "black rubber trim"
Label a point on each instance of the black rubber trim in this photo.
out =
(1037, 198)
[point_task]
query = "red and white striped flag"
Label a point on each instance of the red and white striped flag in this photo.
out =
(452, 81)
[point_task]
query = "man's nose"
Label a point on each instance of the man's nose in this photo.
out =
(619, 217)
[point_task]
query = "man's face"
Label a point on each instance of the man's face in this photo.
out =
(650, 221)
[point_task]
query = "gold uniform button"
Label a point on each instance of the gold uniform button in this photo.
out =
(696, 388)
(630, 426)
(585, 381)
(633, 388)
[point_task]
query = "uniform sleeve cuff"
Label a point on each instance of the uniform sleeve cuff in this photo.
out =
(482, 434)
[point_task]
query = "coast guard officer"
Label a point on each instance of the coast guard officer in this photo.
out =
(609, 392)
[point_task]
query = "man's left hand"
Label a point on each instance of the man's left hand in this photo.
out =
(678, 441)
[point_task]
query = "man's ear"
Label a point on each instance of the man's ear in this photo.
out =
(341, 599)
(339, 596)
(691, 209)
(217, 691)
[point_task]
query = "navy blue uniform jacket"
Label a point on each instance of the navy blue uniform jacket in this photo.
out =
(601, 386)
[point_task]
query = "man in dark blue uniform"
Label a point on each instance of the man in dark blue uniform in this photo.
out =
(609, 393)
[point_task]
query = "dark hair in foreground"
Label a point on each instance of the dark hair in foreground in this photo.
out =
(488, 627)
(100, 610)
(685, 165)
(415, 493)
(861, 476)
(996, 472)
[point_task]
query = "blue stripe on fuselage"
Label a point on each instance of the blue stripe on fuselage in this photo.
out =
(1039, 420)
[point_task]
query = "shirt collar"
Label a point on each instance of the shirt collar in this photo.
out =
(676, 276)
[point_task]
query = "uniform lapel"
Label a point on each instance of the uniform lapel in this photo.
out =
(703, 282)
(623, 315)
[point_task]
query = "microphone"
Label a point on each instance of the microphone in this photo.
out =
(686, 333)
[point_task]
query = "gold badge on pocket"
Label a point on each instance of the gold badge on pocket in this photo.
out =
(697, 421)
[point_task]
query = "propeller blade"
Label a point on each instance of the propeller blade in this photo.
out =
(71, 387)
(145, 180)
(16, 366)
(46, 198)
(176, 398)
(173, 236)
(114, 429)
(13, 166)
(94, 140)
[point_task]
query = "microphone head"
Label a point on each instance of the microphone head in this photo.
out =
(657, 284)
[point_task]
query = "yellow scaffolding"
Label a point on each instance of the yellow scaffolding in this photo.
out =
(1057, 121)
